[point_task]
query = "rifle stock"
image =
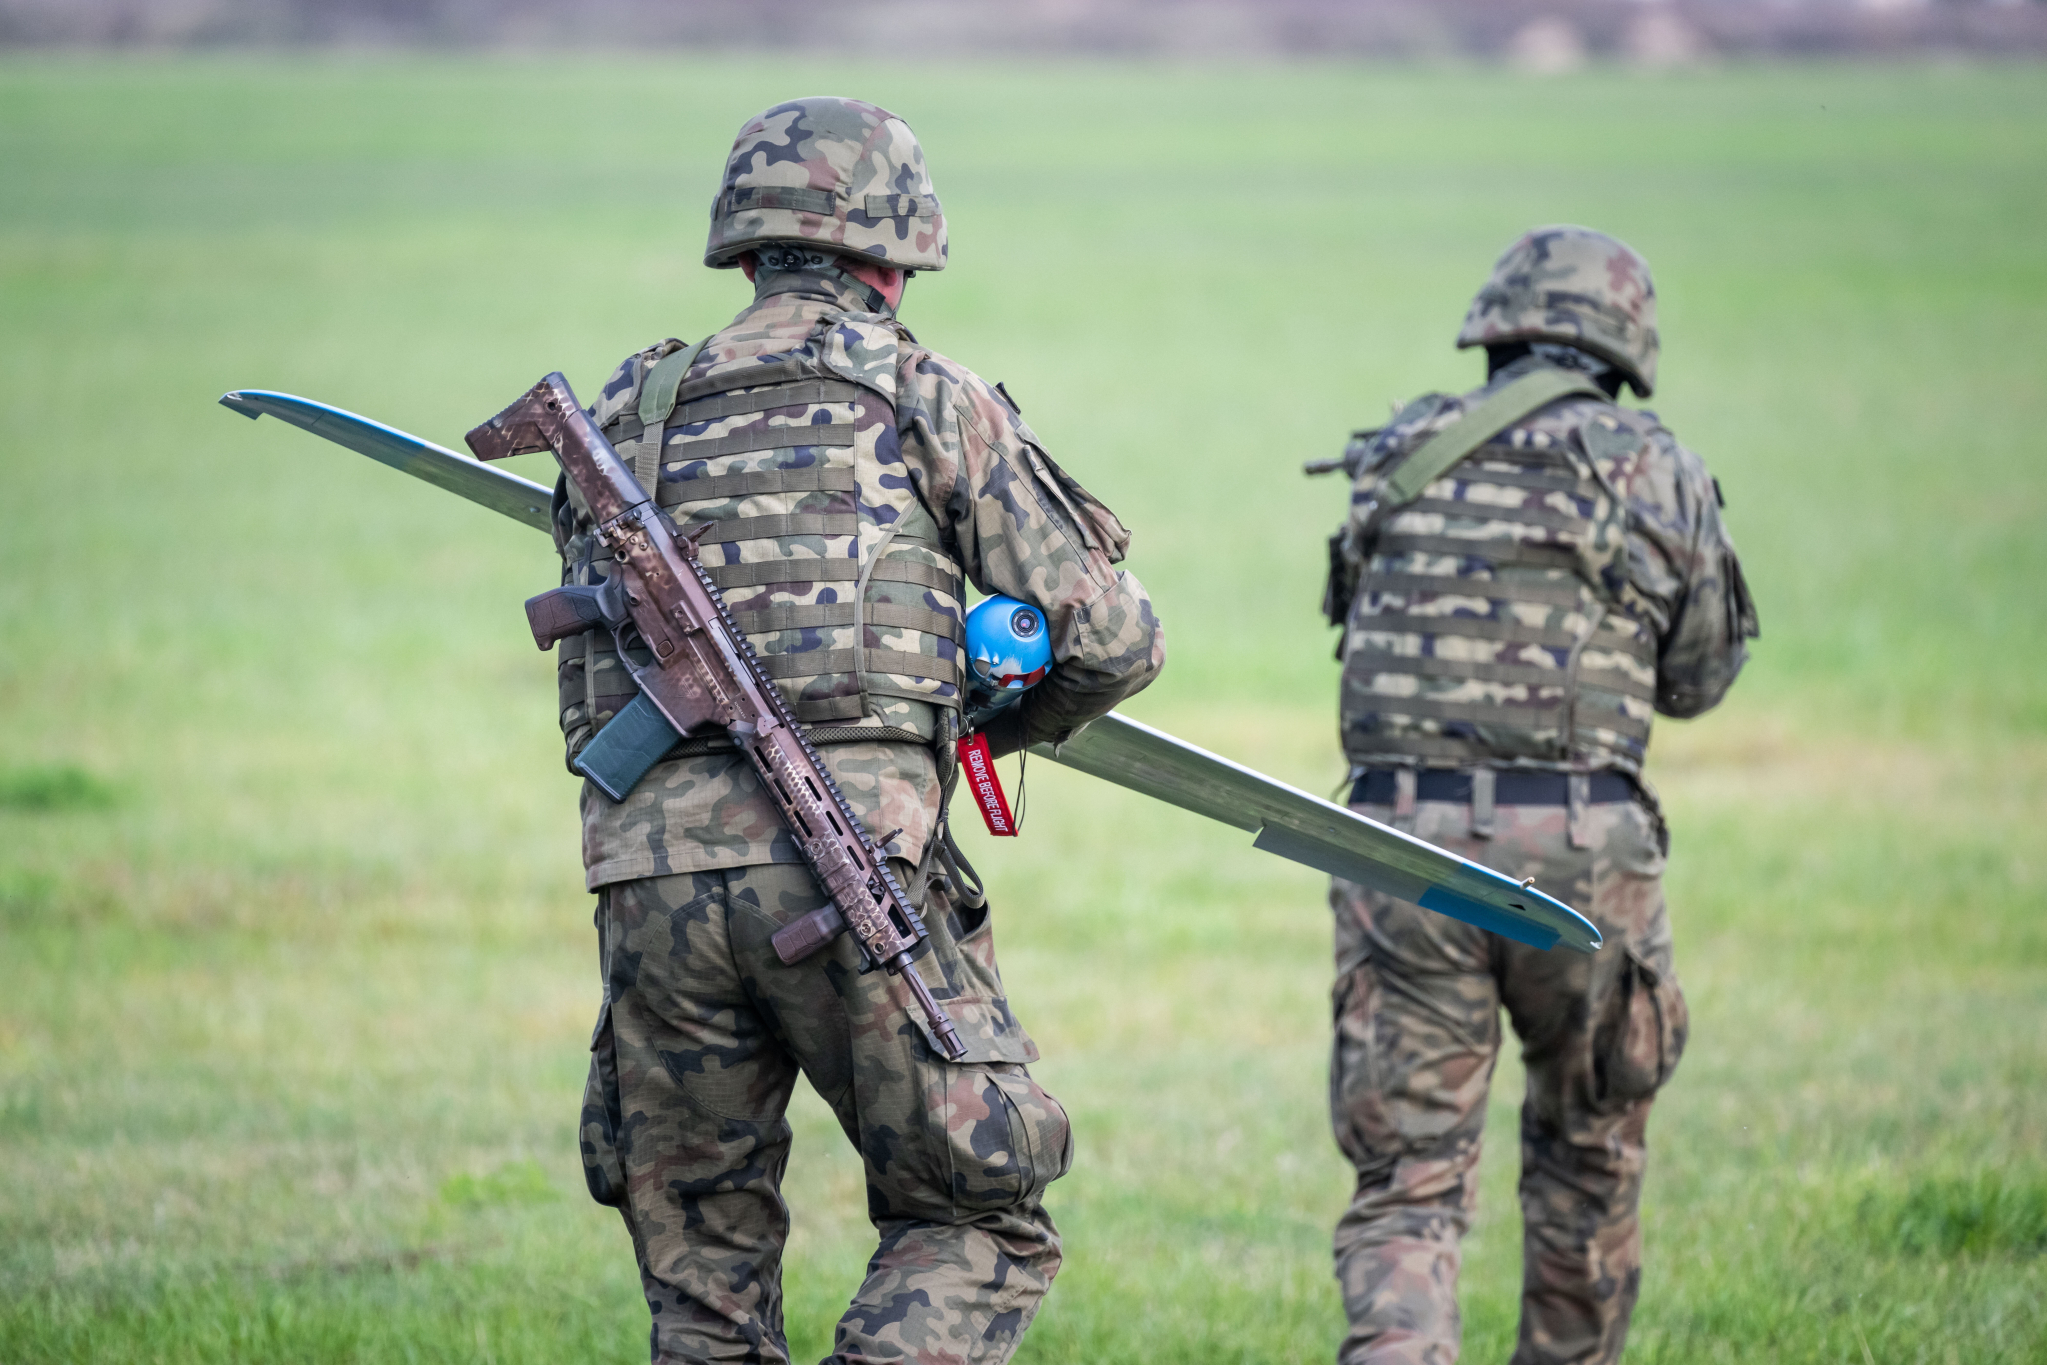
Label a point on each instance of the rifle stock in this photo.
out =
(705, 672)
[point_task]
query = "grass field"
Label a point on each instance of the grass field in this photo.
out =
(295, 966)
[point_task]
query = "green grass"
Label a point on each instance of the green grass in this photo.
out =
(53, 789)
(1980, 1215)
(295, 967)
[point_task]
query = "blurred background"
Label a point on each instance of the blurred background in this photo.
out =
(296, 974)
(1535, 33)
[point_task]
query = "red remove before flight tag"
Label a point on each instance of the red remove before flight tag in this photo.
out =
(979, 768)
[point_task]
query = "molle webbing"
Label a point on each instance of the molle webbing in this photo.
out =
(1481, 422)
(1512, 649)
(1555, 592)
(784, 371)
(1498, 552)
(770, 571)
(802, 393)
(774, 438)
(1471, 627)
(1558, 478)
(1535, 675)
(812, 617)
(821, 652)
(808, 480)
(1493, 713)
(1546, 517)
(899, 570)
(813, 662)
(782, 524)
(711, 400)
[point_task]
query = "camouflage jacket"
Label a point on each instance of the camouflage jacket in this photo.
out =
(1011, 518)
(1671, 579)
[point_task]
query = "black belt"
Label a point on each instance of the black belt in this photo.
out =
(1511, 787)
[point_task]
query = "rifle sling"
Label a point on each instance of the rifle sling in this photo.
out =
(1480, 423)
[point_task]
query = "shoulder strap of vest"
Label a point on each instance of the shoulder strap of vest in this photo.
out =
(1433, 458)
(657, 391)
(657, 400)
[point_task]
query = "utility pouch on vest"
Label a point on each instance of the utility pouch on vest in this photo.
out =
(1341, 585)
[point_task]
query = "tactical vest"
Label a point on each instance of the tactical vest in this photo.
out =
(826, 557)
(1486, 627)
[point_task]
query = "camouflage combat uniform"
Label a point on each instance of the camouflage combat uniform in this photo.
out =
(1508, 634)
(852, 479)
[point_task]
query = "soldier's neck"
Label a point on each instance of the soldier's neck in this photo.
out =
(831, 284)
(1504, 364)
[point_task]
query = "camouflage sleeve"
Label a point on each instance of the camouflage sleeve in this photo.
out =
(1685, 578)
(1023, 526)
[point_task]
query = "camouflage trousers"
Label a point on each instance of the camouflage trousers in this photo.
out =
(696, 1053)
(1417, 1019)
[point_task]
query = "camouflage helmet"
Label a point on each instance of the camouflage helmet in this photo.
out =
(824, 171)
(1573, 285)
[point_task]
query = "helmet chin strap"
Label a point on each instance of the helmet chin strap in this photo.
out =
(790, 257)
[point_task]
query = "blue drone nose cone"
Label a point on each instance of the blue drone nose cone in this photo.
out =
(1008, 647)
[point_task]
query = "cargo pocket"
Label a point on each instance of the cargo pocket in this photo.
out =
(964, 978)
(1641, 1033)
(1008, 1137)
(602, 1170)
(1357, 1108)
(1742, 621)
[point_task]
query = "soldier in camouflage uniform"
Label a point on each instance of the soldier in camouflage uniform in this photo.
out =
(853, 481)
(1528, 572)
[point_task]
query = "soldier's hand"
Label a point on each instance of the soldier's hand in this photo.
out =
(1006, 733)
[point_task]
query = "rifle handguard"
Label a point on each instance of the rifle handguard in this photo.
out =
(806, 934)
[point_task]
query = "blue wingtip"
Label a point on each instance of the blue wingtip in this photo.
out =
(235, 402)
(1444, 901)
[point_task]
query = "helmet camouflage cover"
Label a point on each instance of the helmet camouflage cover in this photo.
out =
(1576, 286)
(825, 171)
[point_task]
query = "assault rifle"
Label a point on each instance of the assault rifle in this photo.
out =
(704, 672)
